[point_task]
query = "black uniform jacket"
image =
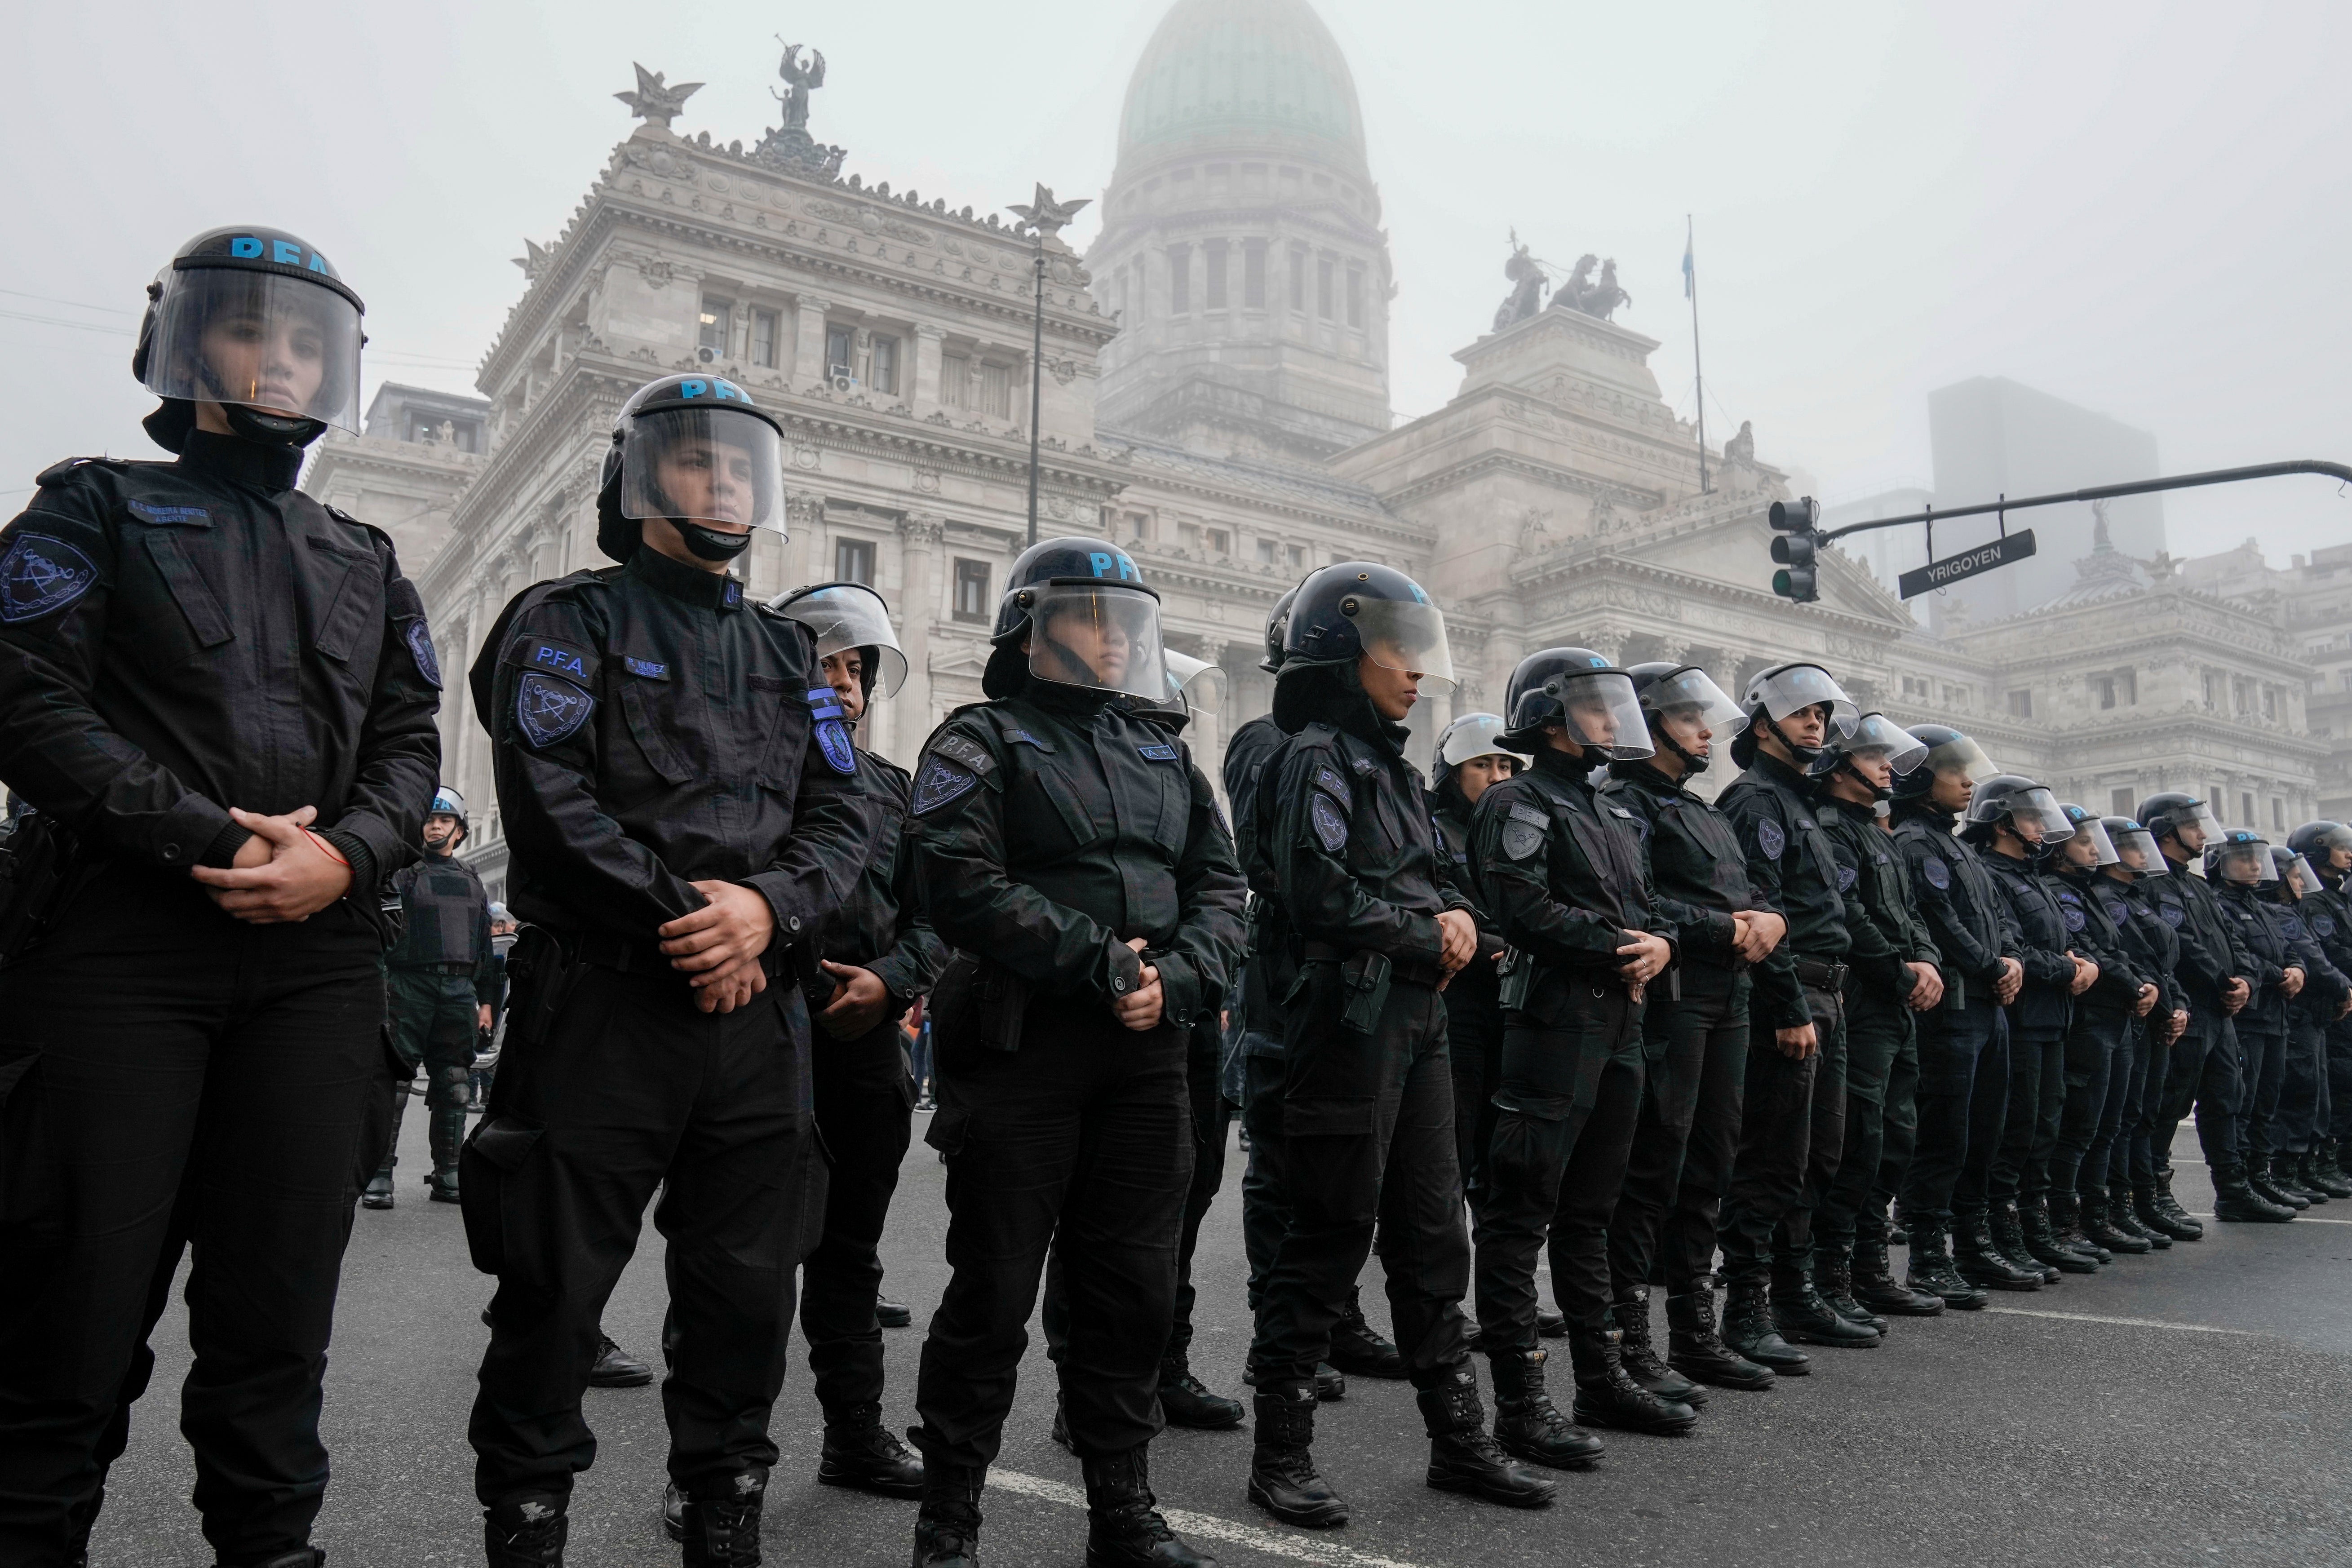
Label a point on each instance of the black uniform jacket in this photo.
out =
(2134, 910)
(655, 730)
(1051, 826)
(1267, 977)
(1474, 995)
(444, 919)
(2211, 952)
(2045, 1000)
(2094, 933)
(2324, 920)
(1965, 913)
(1888, 934)
(177, 639)
(1794, 871)
(1698, 876)
(882, 926)
(1343, 827)
(2260, 926)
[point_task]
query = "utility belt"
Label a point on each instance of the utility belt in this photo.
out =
(1411, 973)
(630, 956)
(452, 967)
(1821, 976)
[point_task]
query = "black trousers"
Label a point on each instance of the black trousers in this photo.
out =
(2337, 1121)
(1559, 1164)
(1473, 1043)
(2203, 1072)
(1367, 1128)
(1958, 1047)
(2262, 1061)
(1877, 1027)
(865, 1096)
(1083, 1139)
(1900, 1139)
(1212, 1124)
(2303, 1112)
(1685, 1140)
(434, 1022)
(2092, 1047)
(2135, 1158)
(2019, 1165)
(1265, 1210)
(170, 1076)
(612, 1085)
(2105, 1157)
(1791, 1135)
(1988, 1107)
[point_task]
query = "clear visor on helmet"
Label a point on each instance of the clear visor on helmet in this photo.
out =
(847, 616)
(1962, 756)
(1802, 686)
(1401, 636)
(1098, 636)
(2201, 817)
(1876, 733)
(1691, 693)
(1198, 685)
(2037, 806)
(2136, 849)
(2332, 836)
(2246, 865)
(277, 343)
(2301, 879)
(714, 466)
(2091, 831)
(1600, 712)
(1473, 735)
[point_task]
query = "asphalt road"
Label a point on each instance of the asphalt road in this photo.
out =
(2184, 1408)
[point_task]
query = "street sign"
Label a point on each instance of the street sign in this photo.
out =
(1967, 564)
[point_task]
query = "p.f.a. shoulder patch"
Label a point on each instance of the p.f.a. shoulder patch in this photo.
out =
(40, 575)
(1770, 839)
(549, 709)
(831, 733)
(940, 782)
(1524, 830)
(1938, 875)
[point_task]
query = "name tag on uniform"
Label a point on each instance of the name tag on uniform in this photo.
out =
(1158, 750)
(646, 668)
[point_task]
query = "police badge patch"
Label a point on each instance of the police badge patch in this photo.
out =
(1770, 839)
(2323, 925)
(2294, 927)
(1847, 876)
(40, 574)
(832, 734)
(1938, 875)
(2073, 913)
(940, 782)
(2116, 911)
(550, 709)
(2172, 914)
(1330, 826)
(1523, 832)
(420, 648)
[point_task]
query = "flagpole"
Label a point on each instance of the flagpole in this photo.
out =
(1698, 378)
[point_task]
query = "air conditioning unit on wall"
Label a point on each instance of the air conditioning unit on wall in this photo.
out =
(844, 383)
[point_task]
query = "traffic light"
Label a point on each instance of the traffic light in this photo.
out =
(1797, 540)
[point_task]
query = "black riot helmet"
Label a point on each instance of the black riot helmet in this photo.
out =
(2166, 814)
(2135, 848)
(257, 320)
(1667, 690)
(2089, 831)
(1089, 619)
(1775, 694)
(1353, 608)
(2020, 803)
(2317, 843)
(1277, 621)
(1589, 697)
(2296, 878)
(1948, 750)
(697, 451)
(847, 616)
(1873, 734)
(2240, 858)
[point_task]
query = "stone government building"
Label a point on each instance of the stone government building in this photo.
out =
(1215, 397)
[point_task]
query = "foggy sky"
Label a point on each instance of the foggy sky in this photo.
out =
(2139, 208)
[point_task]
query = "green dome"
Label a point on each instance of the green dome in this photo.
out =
(1247, 74)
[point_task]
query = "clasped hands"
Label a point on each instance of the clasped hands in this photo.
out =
(282, 874)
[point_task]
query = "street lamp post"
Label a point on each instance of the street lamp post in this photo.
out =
(1046, 217)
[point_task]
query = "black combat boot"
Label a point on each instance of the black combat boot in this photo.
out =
(1124, 1527)
(1329, 1384)
(2043, 1241)
(1527, 1424)
(1929, 1270)
(1637, 1353)
(2234, 1200)
(724, 1531)
(861, 1453)
(2006, 1227)
(1552, 1323)
(1748, 1331)
(616, 1368)
(2155, 1206)
(1607, 1396)
(1283, 1479)
(2093, 1219)
(2256, 1175)
(2122, 1216)
(1876, 1287)
(1697, 1352)
(889, 1314)
(2331, 1152)
(1805, 1319)
(526, 1531)
(946, 1531)
(1356, 1349)
(1463, 1458)
(2287, 1177)
(1980, 1262)
(1188, 1402)
(1834, 1277)
(2317, 1174)
(377, 1193)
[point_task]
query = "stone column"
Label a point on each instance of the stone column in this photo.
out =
(808, 347)
(911, 711)
(803, 516)
(928, 343)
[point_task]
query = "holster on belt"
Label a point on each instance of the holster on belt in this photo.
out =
(981, 1001)
(37, 862)
(1365, 977)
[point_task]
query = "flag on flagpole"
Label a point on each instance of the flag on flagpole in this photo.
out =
(1690, 271)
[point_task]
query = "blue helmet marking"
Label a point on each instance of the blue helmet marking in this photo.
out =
(245, 246)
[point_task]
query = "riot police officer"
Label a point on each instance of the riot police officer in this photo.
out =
(2013, 821)
(1376, 926)
(2216, 974)
(1963, 1055)
(1069, 850)
(1694, 1039)
(2302, 1074)
(2239, 872)
(2326, 848)
(442, 977)
(876, 955)
(1895, 976)
(219, 697)
(1470, 758)
(1561, 869)
(679, 793)
(2115, 1183)
(1793, 1123)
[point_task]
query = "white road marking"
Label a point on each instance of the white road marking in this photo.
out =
(1209, 1527)
(2127, 1322)
(2299, 1219)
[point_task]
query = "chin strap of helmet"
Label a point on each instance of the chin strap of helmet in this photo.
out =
(1806, 758)
(709, 543)
(1694, 763)
(1844, 763)
(271, 429)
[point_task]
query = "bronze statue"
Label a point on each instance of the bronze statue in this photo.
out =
(801, 80)
(1741, 448)
(1527, 285)
(1604, 297)
(655, 103)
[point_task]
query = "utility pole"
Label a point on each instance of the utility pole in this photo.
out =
(1698, 379)
(1045, 216)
